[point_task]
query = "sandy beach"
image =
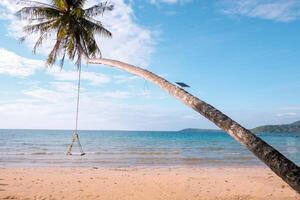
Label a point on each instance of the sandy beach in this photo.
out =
(143, 183)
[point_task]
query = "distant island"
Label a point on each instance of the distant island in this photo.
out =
(284, 128)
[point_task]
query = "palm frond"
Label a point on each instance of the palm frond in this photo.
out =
(34, 3)
(61, 4)
(62, 60)
(40, 41)
(38, 13)
(70, 47)
(96, 27)
(79, 3)
(98, 9)
(41, 27)
(54, 53)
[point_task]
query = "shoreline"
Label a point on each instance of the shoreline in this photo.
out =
(141, 167)
(147, 183)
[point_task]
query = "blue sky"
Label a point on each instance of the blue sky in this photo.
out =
(242, 56)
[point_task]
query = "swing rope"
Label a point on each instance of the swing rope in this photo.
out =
(75, 133)
(78, 94)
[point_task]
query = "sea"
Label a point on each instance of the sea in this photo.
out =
(47, 148)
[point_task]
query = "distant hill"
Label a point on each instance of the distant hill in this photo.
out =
(285, 128)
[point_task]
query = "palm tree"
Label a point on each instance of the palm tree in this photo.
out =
(277, 162)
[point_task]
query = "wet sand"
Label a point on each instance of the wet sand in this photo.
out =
(143, 184)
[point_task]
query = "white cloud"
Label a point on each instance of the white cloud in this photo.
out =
(15, 65)
(18, 66)
(125, 78)
(291, 108)
(7, 8)
(131, 42)
(191, 116)
(277, 10)
(72, 75)
(126, 95)
(52, 103)
(117, 95)
(53, 106)
(51, 96)
(286, 114)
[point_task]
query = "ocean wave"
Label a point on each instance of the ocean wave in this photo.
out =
(41, 153)
(137, 153)
(12, 154)
(232, 153)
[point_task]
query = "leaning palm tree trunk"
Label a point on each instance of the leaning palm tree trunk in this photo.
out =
(277, 162)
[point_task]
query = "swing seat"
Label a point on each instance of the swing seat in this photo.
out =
(70, 154)
(75, 139)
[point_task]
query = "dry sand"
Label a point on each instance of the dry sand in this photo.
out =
(143, 184)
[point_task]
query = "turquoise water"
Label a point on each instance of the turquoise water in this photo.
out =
(25, 148)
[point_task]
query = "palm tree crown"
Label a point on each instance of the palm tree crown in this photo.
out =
(74, 27)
